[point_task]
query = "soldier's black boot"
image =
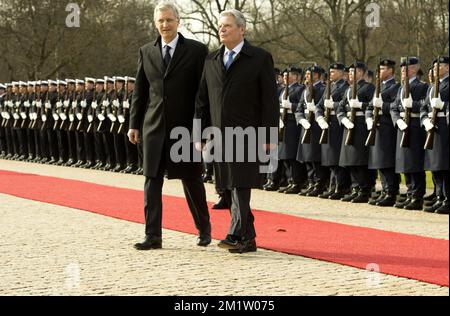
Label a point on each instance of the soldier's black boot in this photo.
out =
(401, 204)
(444, 209)
(271, 186)
(433, 208)
(117, 168)
(362, 197)
(308, 189)
(350, 197)
(415, 205)
(294, 189)
(379, 199)
(389, 200)
(328, 193)
(318, 190)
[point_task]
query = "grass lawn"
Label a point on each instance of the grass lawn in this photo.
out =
(430, 184)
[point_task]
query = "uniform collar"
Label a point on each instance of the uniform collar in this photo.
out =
(390, 79)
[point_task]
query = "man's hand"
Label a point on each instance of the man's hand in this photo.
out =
(133, 136)
(436, 103)
(369, 122)
(428, 125)
(402, 125)
(355, 104)
(377, 102)
(329, 104)
(347, 123)
(306, 125)
(322, 123)
(407, 103)
(286, 104)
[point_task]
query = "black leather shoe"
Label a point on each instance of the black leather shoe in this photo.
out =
(229, 243)
(327, 194)
(444, 209)
(22, 158)
(350, 197)
(430, 203)
(361, 198)
(203, 241)
(284, 188)
(307, 190)
(431, 197)
(148, 244)
(374, 201)
(117, 168)
(88, 165)
(69, 163)
(415, 205)
(389, 200)
(221, 205)
(272, 187)
(246, 246)
(338, 195)
(433, 208)
(207, 178)
(402, 205)
(60, 162)
(52, 161)
(128, 169)
(318, 190)
(294, 189)
(30, 158)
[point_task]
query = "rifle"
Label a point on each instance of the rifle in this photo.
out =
(66, 110)
(103, 108)
(404, 143)
(44, 124)
(376, 112)
(94, 99)
(281, 134)
(72, 112)
(125, 98)
(27, 97)
(307, 136)
(429, 144)
(326, 132)
(16, 110)
(6, 122)
(55, 126)
(82, 108)
(350, 139)
(113, 124)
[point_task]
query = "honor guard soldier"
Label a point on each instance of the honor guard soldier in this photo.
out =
(104, 125)
(66, 123)
(61, 136)
(84, 109)
(354, 152)
(434, 119)
(27, 117)
(289, 99)
(3, 146)
(100, 158)
(384, 134)
(410, 153)
(309, 150)
(119, 141)
(74, 114)
(332, 133)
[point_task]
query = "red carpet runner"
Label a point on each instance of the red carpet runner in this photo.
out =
(414, 257)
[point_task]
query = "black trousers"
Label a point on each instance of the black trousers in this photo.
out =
(295, 171)
(80, 148)
(63, 150)
(416, 183)
(441, 183)
(119, 149)
(52, 142)
(390, 181)
(242, 220)
(131, 151)
(317, 174)
(9, 141)
(280, 175)
(195, 193)
(361, 178)
(45, 152)
(89, 146)
(340, 178)
(108, 146)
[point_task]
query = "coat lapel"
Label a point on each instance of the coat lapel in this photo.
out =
(177, 56)
(156, 56)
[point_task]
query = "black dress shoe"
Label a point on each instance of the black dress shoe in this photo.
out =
(431, 203)
(69, 162)
(431, 197)
(60, 162)
(88, 165)
(318, 190)
(374, 201)
(338, 195)
(415, 205)
(221, 205)
(350, 197)
(148, 244)
(433, 208)
(30, 158)
(272, 187)
(307, 190)
(327, 194)
(8, 156)
(229, 242)
(361, 198)
(117, 168)
(207, 178)
(246, 246)
(444, 209)
(203, 241)
(402, 205)
(284, 188)
(389, 200)
(293, 189)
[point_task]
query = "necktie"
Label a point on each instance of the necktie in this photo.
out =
(230, 59)
(167, 57)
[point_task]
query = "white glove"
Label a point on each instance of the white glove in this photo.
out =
(79, 116)
(48, 105)
(355, 104)
(90, 118)
(329, 104)
(116, 103)
(306, 125)
(63, 116)
(58, 104)
(33, 103)
(428, 125)
(16, 116)
(322, 123)
(7, 116)
(347, 123)
(17, 104)
(402, 125)
(310, 106)
(55, 117)
(83, 104)
(39, 104)
(281, 123)
(10, 104)
(26, 104)
(436, 103)
(66, 103)
(286, 104)
(94, 105)
(101, 117)
(126, 105)
(23, 115)
(407, 103)
(35, 116)
(377, 102)
(71, 117)
(105, 103)
(121, 119)
(112, 118)
(44, 118)
(369, 122)
(3, 114)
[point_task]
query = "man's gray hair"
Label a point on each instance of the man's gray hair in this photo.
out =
(167, 5)
(238, 15)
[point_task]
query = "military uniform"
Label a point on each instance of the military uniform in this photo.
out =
(382, 154)
(410, 160)
(310, 154)
(330, 152)
(355, 156)
(3, 147)
(437, 159)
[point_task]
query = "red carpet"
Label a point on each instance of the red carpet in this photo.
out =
(410, 256)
